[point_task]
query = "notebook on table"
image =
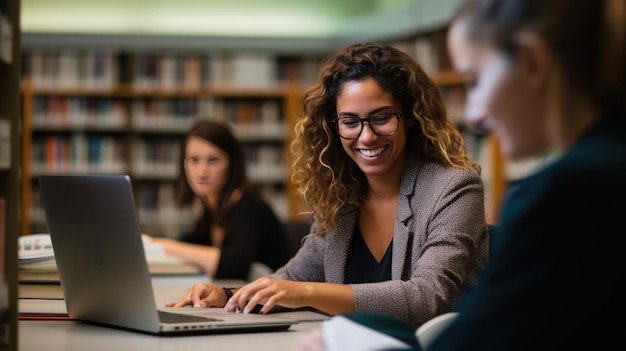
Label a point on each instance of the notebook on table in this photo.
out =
(102, 266)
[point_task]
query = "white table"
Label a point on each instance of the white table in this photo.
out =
(54, 335)
(78, 336)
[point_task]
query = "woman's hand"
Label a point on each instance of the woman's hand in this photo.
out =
(269, 293)
(202, 295)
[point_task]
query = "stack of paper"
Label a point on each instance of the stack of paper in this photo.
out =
(37, 270)
(35, 251)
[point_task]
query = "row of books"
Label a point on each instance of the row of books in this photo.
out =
(266, 163)
(455, 97)
(3, 255)
(86, 153)
(429, 50)
(92, 69)
(178, 113)
(79, 152)
(5, 143)
(6, 35)
(156, 157)
(55, 111)
(169, 71)
(174, 114)
(67, 69)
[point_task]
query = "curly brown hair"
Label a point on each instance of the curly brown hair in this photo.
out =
(328, 179)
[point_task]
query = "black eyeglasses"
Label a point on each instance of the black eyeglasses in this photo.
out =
(382, 125)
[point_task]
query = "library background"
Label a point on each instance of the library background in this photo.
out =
(99, 104)
(112, 91)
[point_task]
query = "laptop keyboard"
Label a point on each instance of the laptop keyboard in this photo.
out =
(168, 317)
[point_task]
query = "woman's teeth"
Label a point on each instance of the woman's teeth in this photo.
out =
(372, 153)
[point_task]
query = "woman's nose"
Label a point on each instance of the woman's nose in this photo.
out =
(204, 169)
(367, 133)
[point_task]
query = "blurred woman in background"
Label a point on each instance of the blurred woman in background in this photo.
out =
(237, 227)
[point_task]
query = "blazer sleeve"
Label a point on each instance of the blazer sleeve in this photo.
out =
(308, 262)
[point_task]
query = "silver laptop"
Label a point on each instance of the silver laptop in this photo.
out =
(102, 265)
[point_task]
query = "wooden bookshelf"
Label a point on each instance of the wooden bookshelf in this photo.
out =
(10, 125)
(134, 125)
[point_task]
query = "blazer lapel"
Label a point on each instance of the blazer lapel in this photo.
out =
(403, 227)
(339, 241)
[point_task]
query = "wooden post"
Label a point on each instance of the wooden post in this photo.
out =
(498, 179)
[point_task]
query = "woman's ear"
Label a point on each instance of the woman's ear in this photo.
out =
(535, 59)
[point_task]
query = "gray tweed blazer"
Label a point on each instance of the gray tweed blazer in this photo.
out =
(440, 243)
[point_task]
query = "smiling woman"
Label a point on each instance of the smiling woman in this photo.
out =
(397, 203)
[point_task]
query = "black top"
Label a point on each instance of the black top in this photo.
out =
(362, 267)
(252, 233)
(554, 279)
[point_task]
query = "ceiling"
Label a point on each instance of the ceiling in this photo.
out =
(294, 26)
(285, 18)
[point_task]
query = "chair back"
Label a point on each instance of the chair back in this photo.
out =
(429, 331)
